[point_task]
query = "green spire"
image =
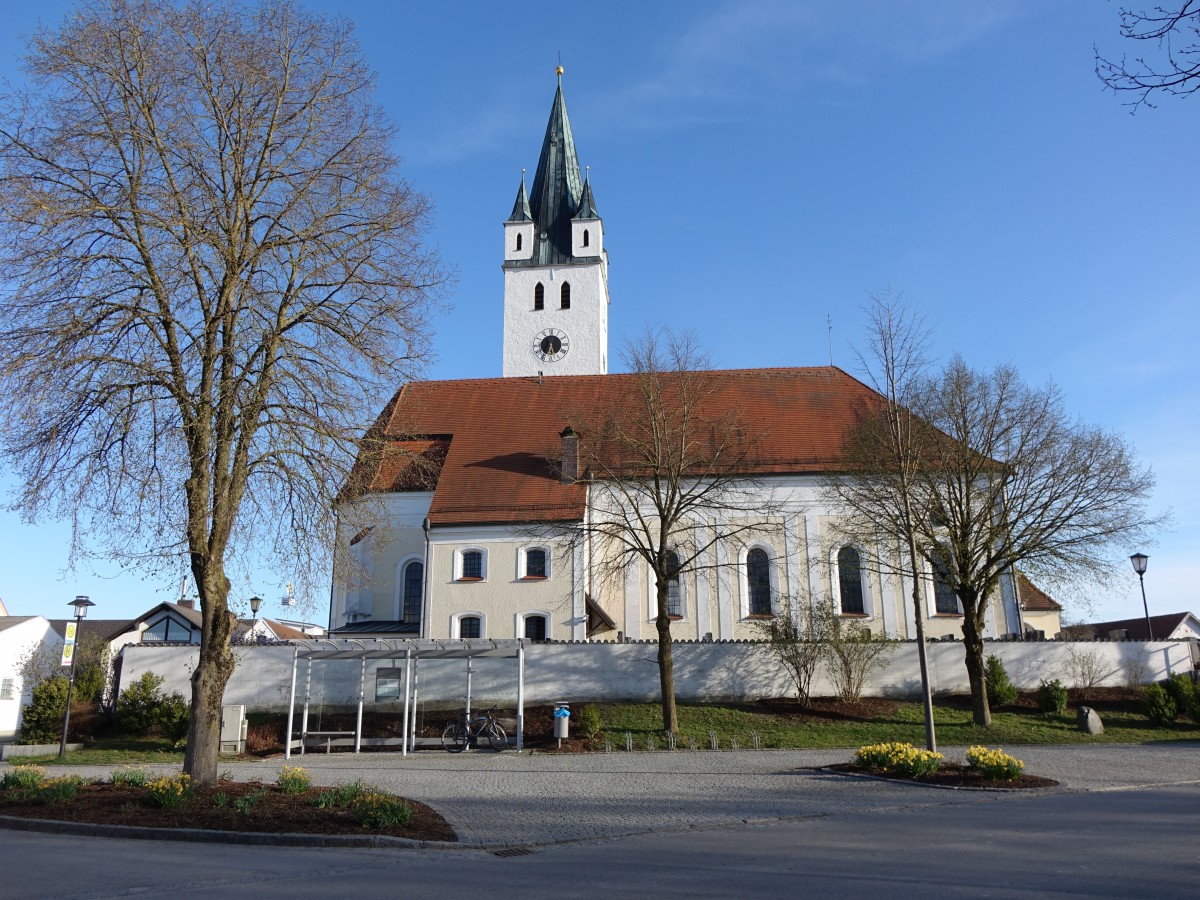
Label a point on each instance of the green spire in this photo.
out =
(587, 206)
(557, 187)
(520, 211)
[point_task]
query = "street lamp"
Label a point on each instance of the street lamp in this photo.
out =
(1139, 561)
(255, 603)
(81, 605)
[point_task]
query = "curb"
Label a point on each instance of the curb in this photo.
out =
(252, 838)
(998, 789)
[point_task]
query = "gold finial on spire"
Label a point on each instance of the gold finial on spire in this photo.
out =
(558, 70)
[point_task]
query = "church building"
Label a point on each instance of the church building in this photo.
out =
(457, 519)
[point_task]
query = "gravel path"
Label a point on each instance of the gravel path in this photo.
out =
(542, 798)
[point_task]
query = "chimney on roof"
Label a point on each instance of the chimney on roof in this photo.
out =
(187, 604)
(570, 456)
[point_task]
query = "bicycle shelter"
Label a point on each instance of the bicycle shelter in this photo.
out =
(412, 651)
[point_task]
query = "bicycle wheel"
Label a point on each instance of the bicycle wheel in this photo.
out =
(496, 736)
(455, 738)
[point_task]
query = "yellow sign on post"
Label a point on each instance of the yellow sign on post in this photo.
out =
(69, 643)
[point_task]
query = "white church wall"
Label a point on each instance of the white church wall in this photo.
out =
(610, 672)
(504, 594)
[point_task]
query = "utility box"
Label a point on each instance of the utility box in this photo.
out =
(233, 728)
(562, 719)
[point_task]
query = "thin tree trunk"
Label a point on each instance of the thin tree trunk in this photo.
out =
(666, 667)
(922, 652)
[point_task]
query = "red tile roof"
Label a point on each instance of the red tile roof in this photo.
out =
(1033, 598)
(498, 438)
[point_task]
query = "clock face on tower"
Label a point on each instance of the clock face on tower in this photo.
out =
(550, 345)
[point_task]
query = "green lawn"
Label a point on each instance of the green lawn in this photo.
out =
(112, 751)
(904, 723)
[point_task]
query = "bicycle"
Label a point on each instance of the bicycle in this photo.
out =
(458, 735)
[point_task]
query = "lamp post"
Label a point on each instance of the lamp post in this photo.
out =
(81, 605)
(255, 603)
(1139, 561)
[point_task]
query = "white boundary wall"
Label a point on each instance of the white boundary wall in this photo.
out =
(603, 672)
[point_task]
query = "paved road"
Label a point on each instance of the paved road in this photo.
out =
(1124, 823)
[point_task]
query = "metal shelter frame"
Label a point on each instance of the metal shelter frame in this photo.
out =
(411, 651)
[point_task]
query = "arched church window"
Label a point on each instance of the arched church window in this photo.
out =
(518, 240)
(850, 585)
(566, 295)
(758, 578)
(414, 584)
(674, 595)
(585, 238)
(539, 296)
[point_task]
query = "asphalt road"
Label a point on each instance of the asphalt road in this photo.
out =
(1125, 823)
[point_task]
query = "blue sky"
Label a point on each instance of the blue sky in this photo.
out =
(762, 165)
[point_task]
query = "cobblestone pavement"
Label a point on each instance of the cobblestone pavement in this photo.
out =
(541, 798)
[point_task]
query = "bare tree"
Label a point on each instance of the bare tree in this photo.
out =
(671, 474)
(881, 459)
(798, 639)
(1006, 480)
(1174, 31)
(213, 277)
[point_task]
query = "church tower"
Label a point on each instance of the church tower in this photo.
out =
(555, 266)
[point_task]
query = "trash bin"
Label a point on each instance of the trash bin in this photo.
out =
(562, 718)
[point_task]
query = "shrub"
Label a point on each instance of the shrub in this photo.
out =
(1159, 706)
(854, 652)
(995, 765)
(1051, 697)
(170, 790)
(43, 719)
(142, 708)
(896, 758)
(341, 795)
(589, 720)
(1186, 695)
(294, 780)
(1000, 690)
(60, 790)
(379, 811)
(130, 776)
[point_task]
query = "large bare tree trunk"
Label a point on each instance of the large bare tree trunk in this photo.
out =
(976, 671)
(212, 674)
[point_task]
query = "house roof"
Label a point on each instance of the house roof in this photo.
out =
(499, 438)
(104, 629)
(286, 632)
(187, 613)
(1163, 626)
(1033, 598)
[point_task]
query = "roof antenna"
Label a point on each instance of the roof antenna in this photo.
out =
(829, 325)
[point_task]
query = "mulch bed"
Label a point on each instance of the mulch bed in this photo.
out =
(275, 812)
(955, 775)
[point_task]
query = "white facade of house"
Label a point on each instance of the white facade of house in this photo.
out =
(19, 636)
